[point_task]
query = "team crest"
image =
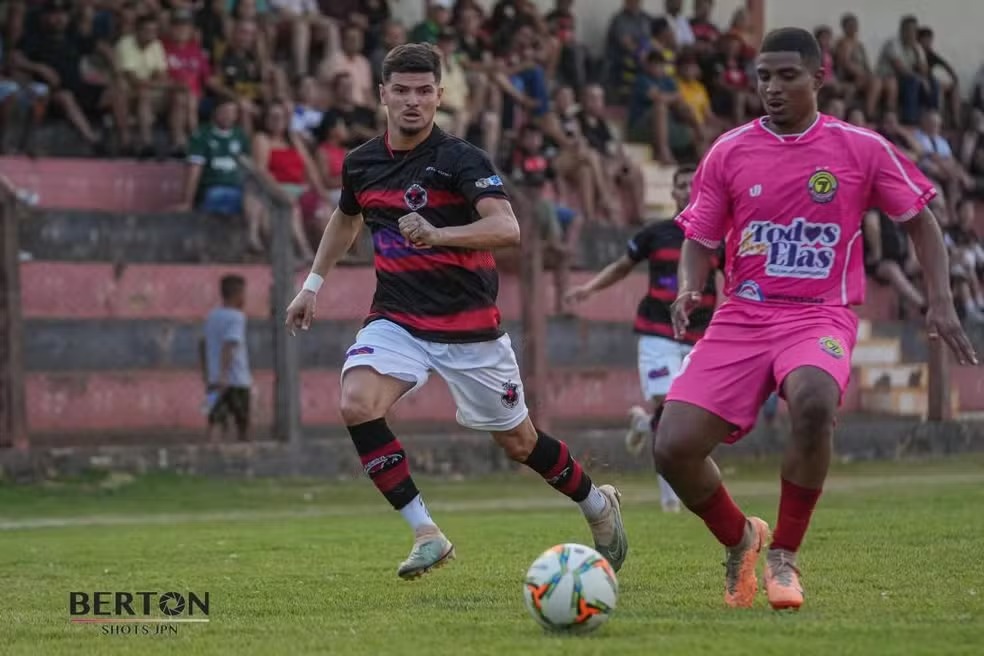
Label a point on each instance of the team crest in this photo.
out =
(822, 186)
(831, 346)
(510, 394)
(415, 197)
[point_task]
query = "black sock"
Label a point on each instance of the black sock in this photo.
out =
(552, 460)
(385, 461)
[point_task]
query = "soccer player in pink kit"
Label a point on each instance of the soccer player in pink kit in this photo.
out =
(786, 194)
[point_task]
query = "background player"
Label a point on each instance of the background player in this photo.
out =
(435, 206)
(787, 192)
(660, 355)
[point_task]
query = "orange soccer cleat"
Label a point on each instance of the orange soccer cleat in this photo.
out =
(741, 581)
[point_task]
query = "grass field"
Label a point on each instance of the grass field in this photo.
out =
(893, 565)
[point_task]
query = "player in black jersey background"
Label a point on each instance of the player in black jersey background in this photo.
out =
(436, 207)
(660, 354)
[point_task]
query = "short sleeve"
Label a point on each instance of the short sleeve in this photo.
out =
(348, 202)
(705, 220)
(477, 177)
(899, 189)
(235, 330)
(641, 244)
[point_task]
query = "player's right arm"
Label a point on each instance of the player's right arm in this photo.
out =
(341, 231)
(704, 222)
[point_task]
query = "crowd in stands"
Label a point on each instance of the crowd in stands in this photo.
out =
(292, 83)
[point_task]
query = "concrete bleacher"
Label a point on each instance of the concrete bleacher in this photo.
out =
(113, 301)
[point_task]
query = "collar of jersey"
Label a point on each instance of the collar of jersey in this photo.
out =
(431, 138)
(793, 138)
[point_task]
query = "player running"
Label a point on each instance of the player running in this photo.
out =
(436, 207)
(786, 193)
(660, 355)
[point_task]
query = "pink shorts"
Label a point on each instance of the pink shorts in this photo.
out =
(750, 348)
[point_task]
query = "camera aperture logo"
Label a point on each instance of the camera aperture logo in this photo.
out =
(138, 613)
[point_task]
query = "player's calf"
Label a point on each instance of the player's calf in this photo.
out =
(552, 459)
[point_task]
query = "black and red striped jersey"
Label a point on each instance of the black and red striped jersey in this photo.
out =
(659, 243)
(443, 293)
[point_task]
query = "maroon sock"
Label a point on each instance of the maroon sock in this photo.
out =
(796, 505)
(725, 519)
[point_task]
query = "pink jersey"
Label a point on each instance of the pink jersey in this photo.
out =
(790, 208)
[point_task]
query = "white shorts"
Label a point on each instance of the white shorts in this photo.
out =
(483, 377)
(660, 360)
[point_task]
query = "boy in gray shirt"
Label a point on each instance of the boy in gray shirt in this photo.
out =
(225, 361)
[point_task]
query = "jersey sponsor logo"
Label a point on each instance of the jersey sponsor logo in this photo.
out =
(510, 394)
(755, 191)
(799, 250)
(750, 290)
(832, 347)
(431, 169)
(492, 181)
(822, 186)
(360, 350)
(415, 197)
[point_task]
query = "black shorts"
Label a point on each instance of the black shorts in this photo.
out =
(235, 402)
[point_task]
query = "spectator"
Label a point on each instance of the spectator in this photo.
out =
(453, 113)
(259, 13)
(188, 67)
(966, 251)
(683, 34)
(664, 42)
(241, 74)
(620, 171)
(212, 24)
(329, 158)
(938, 162)
(224, 357)
(825, 37)
(531, 168)
(574, 60)
(306, 116)
(17, 100)
(657, 113)
(305, 24)
(283, 157)
(706, 33)
(626, 45)
(141, 59)
(695, 97)
(889, 259)
(945, 77)
(856, 116)
(854, 68)
(360, 122)
(741, 28)
(393, 34)
(350, 60)
(899, 136)
(215, 181)
(438, 17)
(904, 70)
(731, 94)
(50, 55)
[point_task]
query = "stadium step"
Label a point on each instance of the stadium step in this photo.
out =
(864, 330)
(907, 402)
(886, 377)
(659, 189)
(877, 350)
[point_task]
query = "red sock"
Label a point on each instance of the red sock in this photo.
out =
(796, 504)
(723, 517)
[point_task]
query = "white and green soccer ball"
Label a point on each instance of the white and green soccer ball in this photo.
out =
(570, 588)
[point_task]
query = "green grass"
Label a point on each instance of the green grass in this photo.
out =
(892, 566)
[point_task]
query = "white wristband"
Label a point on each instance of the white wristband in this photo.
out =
(313, 283)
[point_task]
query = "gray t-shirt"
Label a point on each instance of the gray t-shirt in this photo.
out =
(227, 325)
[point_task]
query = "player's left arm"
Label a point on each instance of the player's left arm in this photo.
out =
(941, 317)
(902, 192)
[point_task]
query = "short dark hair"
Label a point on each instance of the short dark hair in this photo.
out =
(412, 58)
(907, 20)
(231, 285)
(685, 169)
(793, 39)
(924, 32)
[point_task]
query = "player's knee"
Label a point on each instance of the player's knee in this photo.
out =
(518, 443)
(357, 406)
(811, 414)
(669, 447)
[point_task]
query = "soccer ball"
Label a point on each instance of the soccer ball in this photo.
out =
(570, 588)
